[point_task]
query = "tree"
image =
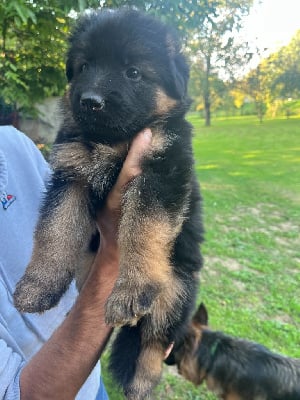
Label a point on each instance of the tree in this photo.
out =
(219, 92)
(215, 43)
(276, 79)
(238, 96)
(33, 43)
(258, 89)
(287, 63)
(34, 34)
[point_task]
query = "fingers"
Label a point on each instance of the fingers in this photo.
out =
(131, 167)
(169, 349)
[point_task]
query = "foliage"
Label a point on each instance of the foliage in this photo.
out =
(238, 96)
(214, 44)
(184, 15)
(34, 37)
(287, 64)
(257, 87)
(275, 81)
(45, 149)
(218, 88)
(33, 42)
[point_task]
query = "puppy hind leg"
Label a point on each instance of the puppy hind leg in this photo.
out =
(62, 231)
(124, 354)
(148, 371)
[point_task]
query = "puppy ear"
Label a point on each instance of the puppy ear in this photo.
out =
(179, 68)
(180, 75)
(201, 316)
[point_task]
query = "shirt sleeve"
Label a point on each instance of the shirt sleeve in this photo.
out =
(35, 154)
(10, 370)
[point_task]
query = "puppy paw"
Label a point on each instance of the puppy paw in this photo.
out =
(136, 395)
(128, 303)
(31, 296)
(139, 389)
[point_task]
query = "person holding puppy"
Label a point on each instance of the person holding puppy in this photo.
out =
(53, 355)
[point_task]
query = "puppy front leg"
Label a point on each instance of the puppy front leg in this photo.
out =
(64, 228)
(146, 235)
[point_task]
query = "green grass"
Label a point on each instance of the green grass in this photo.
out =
(250, 179)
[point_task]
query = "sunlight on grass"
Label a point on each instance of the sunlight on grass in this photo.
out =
(249, 155)
(295, 160)
(237, 173)
(209, 166)
(255, 162)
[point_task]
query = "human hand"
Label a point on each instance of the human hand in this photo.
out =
(108, 217)
(168, 350)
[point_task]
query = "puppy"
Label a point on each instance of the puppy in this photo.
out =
(125, 72)
(234, 369)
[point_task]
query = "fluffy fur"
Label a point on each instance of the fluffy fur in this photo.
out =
(234, 369)
(125, 72)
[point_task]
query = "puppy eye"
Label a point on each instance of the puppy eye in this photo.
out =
(133, 73)
(84, 67)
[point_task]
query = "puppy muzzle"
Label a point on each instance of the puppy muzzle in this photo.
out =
(92, 102)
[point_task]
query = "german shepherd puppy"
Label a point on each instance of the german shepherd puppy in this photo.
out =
(234, 369)
(126, 72)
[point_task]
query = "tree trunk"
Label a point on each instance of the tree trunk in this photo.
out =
(207, 109)
(207, 93)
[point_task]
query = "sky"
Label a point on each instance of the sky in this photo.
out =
(273, 23)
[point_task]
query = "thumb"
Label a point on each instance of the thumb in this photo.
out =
(131, 167)
(132, 164)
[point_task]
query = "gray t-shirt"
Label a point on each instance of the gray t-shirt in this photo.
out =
(23, 172)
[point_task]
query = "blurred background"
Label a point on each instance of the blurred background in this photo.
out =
(244, 56)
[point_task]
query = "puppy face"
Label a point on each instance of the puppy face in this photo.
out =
(125, 70)
(184, 354)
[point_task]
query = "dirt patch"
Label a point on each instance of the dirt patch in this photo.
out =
(228, 263)
(211, 264)
(239, 285)
(282, 241)
(284, 319)
(288, 243)
(284, 227)
(267, 220)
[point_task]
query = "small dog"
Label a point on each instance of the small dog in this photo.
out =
(232, 368)
(126, 72)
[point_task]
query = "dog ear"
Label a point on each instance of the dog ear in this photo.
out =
(179, 68)
(180, 75)
(201, 316)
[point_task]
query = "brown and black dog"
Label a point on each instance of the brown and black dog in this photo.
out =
(234, 369)
(126, 72)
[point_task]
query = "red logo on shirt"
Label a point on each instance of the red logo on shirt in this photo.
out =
(7, 200)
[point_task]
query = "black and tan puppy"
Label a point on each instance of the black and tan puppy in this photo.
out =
(234, 369)
(126, 72)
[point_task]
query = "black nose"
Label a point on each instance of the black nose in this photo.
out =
(92, 101)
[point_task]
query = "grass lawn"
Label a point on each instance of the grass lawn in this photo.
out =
(250, 178)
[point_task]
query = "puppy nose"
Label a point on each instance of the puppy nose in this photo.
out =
(92, 101)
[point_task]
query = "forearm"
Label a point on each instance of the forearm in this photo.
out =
(63, 364)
